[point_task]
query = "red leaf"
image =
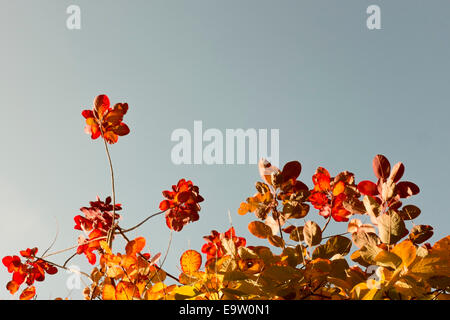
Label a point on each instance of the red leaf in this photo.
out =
(381, 167)
(406, 189)
(101, 104)
(397, 172)
(368, 188)
(122, 129)
(291, 170)
(164, 205)
(28, 293)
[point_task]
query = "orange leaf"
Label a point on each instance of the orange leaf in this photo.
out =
(135, 246)
(243, 209)
(126, 291)
(190, 261)
(109, 292)
(338, 188)
(28, 293)
(259, 229)
(12, 286)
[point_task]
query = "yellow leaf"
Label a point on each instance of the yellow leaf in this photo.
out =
(185, 292)
(190, 261)
(406, 251)
(105, 247)
(388, 259)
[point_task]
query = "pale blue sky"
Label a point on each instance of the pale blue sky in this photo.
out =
(339, 94)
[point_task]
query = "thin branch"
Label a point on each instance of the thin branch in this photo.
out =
(73, 247)
(54, 240)
(62, 267)
(326, 224)
(340, 234)
(70, 258)
(113, 226)
(164, 259)
(142, 222)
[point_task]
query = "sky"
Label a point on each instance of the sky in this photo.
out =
(338, 93)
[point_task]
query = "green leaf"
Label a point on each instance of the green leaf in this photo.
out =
(388, 259)
(281, 273)
(235, 275)
(335, 245)
(369, 252)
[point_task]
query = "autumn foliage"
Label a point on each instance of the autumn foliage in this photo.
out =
(390, 260)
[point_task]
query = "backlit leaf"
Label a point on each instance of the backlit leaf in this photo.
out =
(406, 251)
(28, 293)
(190, 261)
(135, 246)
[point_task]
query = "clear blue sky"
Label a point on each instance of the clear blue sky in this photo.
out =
(338, 92)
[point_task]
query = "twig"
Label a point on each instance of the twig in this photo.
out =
(62, 267)
(326, 224)
(113, 226)
(54, 240)
(142, 222)
(340, 234)
(73, 247)
(70, 258)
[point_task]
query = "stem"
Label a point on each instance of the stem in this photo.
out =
(279, 225)
(73, 247)
(326, 224)
(113, 226)
(68, 259)
(340, 234)
(143, 221)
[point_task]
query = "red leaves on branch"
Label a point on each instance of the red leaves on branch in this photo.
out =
(31, 270)
(95, 223)
(181, 204)
(388, 189)
(328, 195)
(104, 119)
(213, 248)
